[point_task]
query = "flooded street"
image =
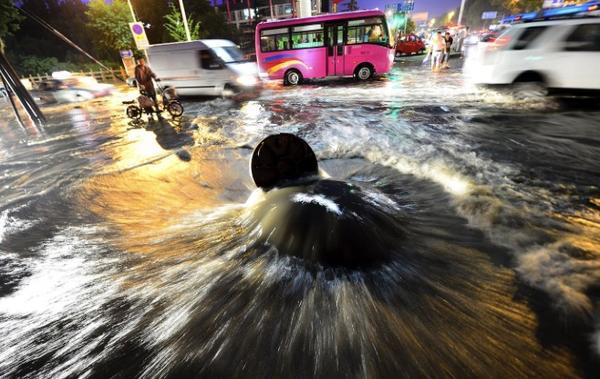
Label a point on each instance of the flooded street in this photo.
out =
(145, 250)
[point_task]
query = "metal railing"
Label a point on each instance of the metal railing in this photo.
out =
(100, 76)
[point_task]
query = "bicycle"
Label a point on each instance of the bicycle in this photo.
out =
(169, 102)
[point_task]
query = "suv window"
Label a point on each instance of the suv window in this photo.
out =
(585, 37)
(528, 35)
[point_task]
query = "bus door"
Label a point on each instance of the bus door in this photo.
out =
(335, 49)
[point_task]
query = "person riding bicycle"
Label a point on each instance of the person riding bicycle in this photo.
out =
(144, 76)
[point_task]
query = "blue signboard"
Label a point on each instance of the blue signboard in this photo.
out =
(406, 6)
(489, 15)
(126, 53)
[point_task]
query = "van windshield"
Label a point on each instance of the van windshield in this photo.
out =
(229, 54)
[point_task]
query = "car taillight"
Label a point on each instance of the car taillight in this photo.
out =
(498, 43)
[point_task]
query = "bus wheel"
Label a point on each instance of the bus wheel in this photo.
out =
(364, 72)
(292, 78)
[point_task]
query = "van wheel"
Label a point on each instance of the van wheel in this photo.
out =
(363, 72)
(229, 90)
(292, 78)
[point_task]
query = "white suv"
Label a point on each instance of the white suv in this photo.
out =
(559, 56)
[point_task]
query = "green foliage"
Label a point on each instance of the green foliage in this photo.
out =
(411, 26)
(519, 6)
(398, 22)
(152, 12)
(110, 25)
(474, 9)
(214, 24)
(32, 65)
(10, 18)
(175, 28)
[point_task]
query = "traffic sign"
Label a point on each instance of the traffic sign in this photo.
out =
(408, 5)
(489, 15)
(139, 35)
(126, 53)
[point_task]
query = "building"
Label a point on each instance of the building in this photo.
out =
(245, 14)
(250, 12)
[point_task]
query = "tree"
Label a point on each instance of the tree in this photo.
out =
(110, 25)
(175, 28)
(9, 18)
(519, 6)
(151, 13)
(475, 8)
(213, 23)
(411, 26)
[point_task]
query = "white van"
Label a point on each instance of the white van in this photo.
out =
(211, 67)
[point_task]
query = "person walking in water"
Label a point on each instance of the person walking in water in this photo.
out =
(448, 41)
(143, 77)
(437, 48)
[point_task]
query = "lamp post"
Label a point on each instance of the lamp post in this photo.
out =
(131, 9)
(185, 23)
(460, 13)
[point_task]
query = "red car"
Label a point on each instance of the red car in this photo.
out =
(410, 44)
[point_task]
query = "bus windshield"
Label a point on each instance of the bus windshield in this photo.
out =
(368, 30)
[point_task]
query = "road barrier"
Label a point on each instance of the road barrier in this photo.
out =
(100, 76)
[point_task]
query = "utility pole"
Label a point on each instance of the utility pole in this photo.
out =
(132, 12)
(460, 13)
(185, 23)
(14, 88)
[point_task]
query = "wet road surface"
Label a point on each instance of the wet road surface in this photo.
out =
(144, 250)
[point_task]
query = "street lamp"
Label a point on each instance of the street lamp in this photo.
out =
(185, 23)
(460, 13)
(450, 15)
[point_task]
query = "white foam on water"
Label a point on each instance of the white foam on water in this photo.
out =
(10, 225)
(321, 200)
(65, 285)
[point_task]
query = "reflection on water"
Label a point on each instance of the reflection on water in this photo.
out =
(146, 251)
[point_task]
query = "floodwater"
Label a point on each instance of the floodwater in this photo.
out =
(146, 250)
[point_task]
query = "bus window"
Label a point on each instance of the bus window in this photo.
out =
(307, 36)
(369, 30)
(336, 35)
(274, 40)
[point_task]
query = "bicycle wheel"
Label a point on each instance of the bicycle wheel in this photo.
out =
(134, 112)
(175, 108)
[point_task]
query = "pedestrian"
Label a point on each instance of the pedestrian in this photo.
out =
(448, 41)
(437, 49)
(143, 77)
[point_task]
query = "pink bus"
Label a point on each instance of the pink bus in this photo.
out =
(355, 44)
